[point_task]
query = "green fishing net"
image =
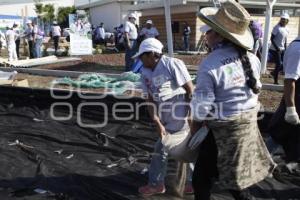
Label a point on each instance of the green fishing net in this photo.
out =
(118, 84)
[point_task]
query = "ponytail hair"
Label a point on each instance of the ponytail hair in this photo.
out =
(250, 79)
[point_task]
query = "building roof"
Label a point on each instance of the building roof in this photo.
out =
(8, 2)
(102, 2)
(247, 3)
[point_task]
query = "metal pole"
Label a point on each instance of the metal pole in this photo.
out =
(169, 27)
(270, 4)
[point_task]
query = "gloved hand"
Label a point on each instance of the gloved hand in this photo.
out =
(291, 116)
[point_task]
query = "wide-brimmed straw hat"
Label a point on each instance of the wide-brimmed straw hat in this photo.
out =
(231, 21)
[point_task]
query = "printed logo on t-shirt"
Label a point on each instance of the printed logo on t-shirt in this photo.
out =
(159, 80)
(235, 76)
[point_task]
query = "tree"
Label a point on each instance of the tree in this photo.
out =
(49, 11)
(45, 12)
(39, 8)
(63, 15)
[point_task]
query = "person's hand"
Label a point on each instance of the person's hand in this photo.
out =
(161, 131)
(291, 116)
(128, 45)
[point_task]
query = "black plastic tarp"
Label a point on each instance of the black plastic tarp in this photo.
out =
(44, 158)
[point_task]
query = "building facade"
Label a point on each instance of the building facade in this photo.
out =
(186, 11)
(111, 12)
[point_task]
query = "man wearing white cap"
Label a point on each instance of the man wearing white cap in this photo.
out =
(28, 34)
(279, 43)
(131, 34)
(55, 34)
(149, 31)
(168, 87)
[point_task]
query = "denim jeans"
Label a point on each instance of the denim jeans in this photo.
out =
(37, 48)
(278, 59)
(31, 48)
(158, 166)
(272, 146)
(186, 43)
(129, 53)
(56, 41)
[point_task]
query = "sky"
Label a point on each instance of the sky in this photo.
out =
(18, 1)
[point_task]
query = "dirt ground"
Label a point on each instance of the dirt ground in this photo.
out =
(110, 62)
(269, 99)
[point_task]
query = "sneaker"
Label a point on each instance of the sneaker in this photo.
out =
(188, 189)
(149, 190)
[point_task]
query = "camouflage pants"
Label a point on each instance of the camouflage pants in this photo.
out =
(243, 158)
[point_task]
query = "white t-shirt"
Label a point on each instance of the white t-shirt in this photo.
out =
(29, 33)
(101, 32)
(174, 71)
(149, 33)
(291, 60)
(221, 85)
(10, 36)
(108, 35)
(280, 34)
(36, 32)
(130, 28)
(56, 31)
(17, 31)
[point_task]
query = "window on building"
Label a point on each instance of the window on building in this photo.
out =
(297, 12)
(278, 12)
(175, 26)
(256, 11)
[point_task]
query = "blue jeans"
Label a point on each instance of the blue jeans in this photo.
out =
(37, 48)
(186, 43)
(272, 146)
(277, 57)
(129, 53)
(158, 166)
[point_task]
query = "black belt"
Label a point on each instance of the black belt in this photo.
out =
(132, 39)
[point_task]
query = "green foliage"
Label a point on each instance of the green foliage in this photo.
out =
(47, 12)
(63, 15)
(39, 8)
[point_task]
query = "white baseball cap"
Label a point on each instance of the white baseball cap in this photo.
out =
(285, 16)
(132, 15)
(149, 45)
(205, 28)
(28, 21)
(149, 21)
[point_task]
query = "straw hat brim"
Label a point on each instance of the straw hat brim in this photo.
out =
(245, 40)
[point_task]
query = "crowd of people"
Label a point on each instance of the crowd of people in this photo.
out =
(33, 36)
(233, 154)
(128, 36)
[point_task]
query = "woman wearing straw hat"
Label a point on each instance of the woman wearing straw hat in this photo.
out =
(233, 155)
